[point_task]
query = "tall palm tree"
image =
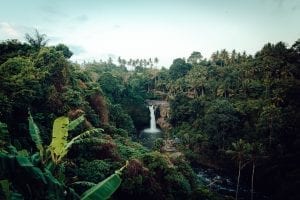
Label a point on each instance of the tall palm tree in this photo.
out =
(37, 40)
(256, 151)
(156, 61)
(239, 152)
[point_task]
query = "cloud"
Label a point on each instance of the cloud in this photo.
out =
(15, 31)
(9, 31)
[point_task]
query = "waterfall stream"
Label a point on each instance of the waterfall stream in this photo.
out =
(225, 185)
(152, 128)
(149, 135)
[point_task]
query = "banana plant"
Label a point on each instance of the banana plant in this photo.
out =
(34, 132)
(23, 174)
(59, 146)
(105, 188)
(29, 181)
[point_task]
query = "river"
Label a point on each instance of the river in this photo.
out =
(225, 185)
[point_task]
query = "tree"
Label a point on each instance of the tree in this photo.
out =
(233, 57)
(255, 152)
(197, 78)
(224, 56)
(13, 48)
(179, 68)
(20, 81)
(37, 40)
(227, 80)
(156, 61)
(55, 64)
(64, 49)
(239, 152)
(220, 120)
(195, 58)
(270, 122)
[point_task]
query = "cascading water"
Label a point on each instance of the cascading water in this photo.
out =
(149, 135)
(152, 128)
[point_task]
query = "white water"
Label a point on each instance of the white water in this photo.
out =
(152, 128)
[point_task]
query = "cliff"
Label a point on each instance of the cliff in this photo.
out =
(164, 113)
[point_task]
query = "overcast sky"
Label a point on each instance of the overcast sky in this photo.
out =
(167, 29)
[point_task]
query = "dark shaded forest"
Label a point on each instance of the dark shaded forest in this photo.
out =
(65, 127)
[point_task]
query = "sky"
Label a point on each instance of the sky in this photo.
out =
(167, 29)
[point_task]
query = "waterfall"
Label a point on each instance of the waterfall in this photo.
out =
(152, 118)
(149, 135)
(152, 128)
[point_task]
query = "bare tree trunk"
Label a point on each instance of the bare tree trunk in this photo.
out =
(252, 179)
(223, 140)
(238, 181)
(271, 131)
(195, 92)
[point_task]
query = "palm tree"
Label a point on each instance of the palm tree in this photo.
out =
(38, 40)
(239, 153)
(156, 61)
(256, 150)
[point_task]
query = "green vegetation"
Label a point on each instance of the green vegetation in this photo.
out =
(249, 101)
(234, 112)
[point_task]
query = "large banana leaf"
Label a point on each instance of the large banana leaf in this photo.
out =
(59, 146)
(6, 165)
(35, 134)
(73, 124)
(24, 161)
(82, 135)
(59, 137)
(104, 189)
(16, 196)
(34, 172)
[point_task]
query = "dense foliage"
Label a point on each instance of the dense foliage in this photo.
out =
(233, 111)
(237, 96)
(41, 79)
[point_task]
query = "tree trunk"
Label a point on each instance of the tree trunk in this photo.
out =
(252, 179)
(223, 140)
(195, 92)
(271, 131)
(238, 181)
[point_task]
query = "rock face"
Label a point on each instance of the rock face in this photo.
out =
(164, 113)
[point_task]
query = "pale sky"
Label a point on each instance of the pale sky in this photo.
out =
(167, 29)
